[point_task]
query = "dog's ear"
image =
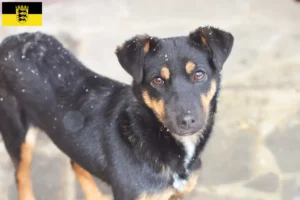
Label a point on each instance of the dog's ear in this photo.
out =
(217, 42)
(131, 56)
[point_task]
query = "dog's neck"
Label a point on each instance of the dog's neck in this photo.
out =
(155, 145)
(189, 144)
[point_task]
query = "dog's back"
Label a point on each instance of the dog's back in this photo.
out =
(38, 65)
(37, 70)
(31, 65)
(45, 86)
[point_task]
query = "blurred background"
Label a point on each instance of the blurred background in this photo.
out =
(254, 153)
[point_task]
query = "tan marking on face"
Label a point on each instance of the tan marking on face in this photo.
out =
(164, 195)
(189, 67)
(23, 167)
(87, 184)
(147, 47)
(158, 106)
(206, 98)
(192, 182)
(165, 73)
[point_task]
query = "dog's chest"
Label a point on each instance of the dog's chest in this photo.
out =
(179, 183)
(189, 147)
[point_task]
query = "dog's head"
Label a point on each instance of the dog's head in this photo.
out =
(178, 77)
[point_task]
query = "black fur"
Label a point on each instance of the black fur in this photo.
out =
(104, 125)
(219, 43)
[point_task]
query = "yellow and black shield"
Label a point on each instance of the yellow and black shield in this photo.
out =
(22, 13)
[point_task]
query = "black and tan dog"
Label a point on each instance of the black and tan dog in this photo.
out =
(143, 140)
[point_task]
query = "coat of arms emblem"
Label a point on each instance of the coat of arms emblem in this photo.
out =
(22, 13)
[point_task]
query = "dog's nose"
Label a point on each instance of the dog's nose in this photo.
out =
(187, 122)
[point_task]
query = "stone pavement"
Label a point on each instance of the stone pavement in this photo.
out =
(254, 151)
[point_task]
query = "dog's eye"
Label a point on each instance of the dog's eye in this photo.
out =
(158, 81)
(199, 75)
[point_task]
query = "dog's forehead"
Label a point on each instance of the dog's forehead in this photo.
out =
(175, 46)
(176, 52)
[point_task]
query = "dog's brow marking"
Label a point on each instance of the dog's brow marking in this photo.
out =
(147, 47)
(23, 170)
(158, 106)
(165, 73)
(189, 67)
(206, 98)
(87, 184)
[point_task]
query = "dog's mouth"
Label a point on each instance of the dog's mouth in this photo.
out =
(179, 133)
(184, 123)
(185, 133)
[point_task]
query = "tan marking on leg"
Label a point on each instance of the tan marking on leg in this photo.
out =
(147, 47)
(23, 169)
(164, 195)
(165, 73)
(206, 98)
(189, 67)
(87, 184)
(158, 106)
